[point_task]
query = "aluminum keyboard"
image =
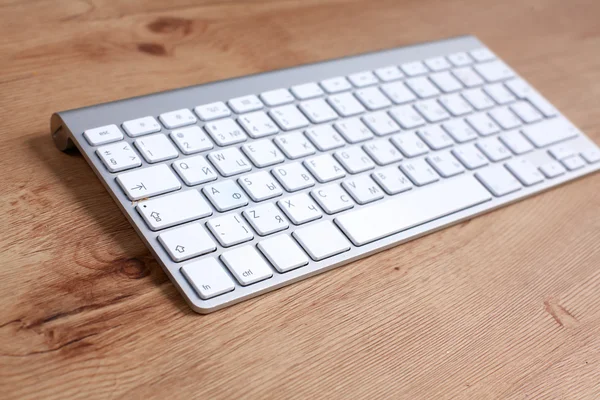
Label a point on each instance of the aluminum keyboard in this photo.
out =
(242, 186)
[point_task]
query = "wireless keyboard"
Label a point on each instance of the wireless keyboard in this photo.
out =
(242, 186)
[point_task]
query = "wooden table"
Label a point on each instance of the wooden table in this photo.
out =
(504, 306)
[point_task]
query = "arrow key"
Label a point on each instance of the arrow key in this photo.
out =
(187, 241)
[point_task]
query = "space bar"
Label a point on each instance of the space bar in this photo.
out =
(397, 214)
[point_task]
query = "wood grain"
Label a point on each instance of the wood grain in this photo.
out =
(506, 305)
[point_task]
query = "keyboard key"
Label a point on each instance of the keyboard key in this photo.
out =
(470, 157)
(354, 160)
(391, 180)
(414, 68)
(525, 171)
(177, 118)
(300, 208)
(229, 161)
(288, 117)
(266, 219)
(468, 77)
(552, 169)
(345, 104)
(173, 209)
(187, 242)
(516, 142)
(407, 117)
(332, 198)
(363, 189)
(437, 63)
(195, 170)
(225, 132)
(263, 153)
(431, 110)
(247, 265)
(499, 93)
(459, 130)
(549, 132)
(382, 151)
(494, 71)
(380, 123)
(411, 209)
(483, 124)
(561, 151)
(257, 124)
(591, 155)
(494, 149)
(225, 195)
(478, 99)
(422, 87)
(307, 91)
(293, 176)
(141, 126)
(409, 144)
(277, 97)
(445, 82)
(523, 91)
(387, 74)
(573, 163)
(482, 54)
(209, 112)
(294, 145)
(324, 168)
(283, 253)
(445, 164)
(148, 182)
(526, 112)
(230, 230)
(435, 137)
(419, 172)
(460, 59)
(322, 240)
(260, 186)
(156, 148)
(372, 98)
(103, 135)
(336, 85)
(455, 104)
(208, 278)
(353, 130)
(324, 137)
(118, 156)
(505, 118)
(318, 111)
(398, 92)
(245, 104)
(362, 79)
(498, 180)
(191, 140)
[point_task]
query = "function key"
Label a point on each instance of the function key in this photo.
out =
(388, 74)
(363, 79)
(208, 278)
(336, 85)
(307, 91)
(482, 54)
(208, 112)
(141, 126)
(103, 135)
(277, 97)
(460, 59)
(178, 118)
(245, 104)
(437, 63)
(414, 68)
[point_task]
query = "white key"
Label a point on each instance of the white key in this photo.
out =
(293, 176)
(173, 209)
(263, 153)
(482, 55)
(247, 265)
(324, 137)
(336, 85)
(498, 180)
(294, 145)
(494, 71)
(409, 144)
(523, 91)
(478, 99)
(422, 87)
(187, 242)
(353, 130)
(103, 135)
(208, 278)
(177, 118)
(225, 195)
(382, 151)
(245, 104)
(435, 137)
(561, 151)
(324, 168)
(258, 124)
(345, 104)
(266, 219)
(549, 132)
(516, 142)
(437, 63)
(332, 198)
(363, 189)
(194, 170)
(260, 186)
(141, 126)
(191, 140)
(354, 160)
(470, 156)
(277, 97)
(362, 79)
(468, 77)
(525, 171)
(118, 156)
(526, 112)
(380, 123)
(230, 230)
(407, 117)
(398, 92)
(147, 182)
(505, 118)
(483, 124)
(387, 74)
(499, 93)
(552, 169)
(459, 130)
(573, 163)
(445, 82)
(216, 110)
(283, 253)
(225, 132)
(288, 117)
(411, 209)
(414, 68)
(229, 161)
(322, 240)
(300, 208)
(307, 91)
(318, 111)
(372, 98)
(392, 180)
(591, 155)
(493, 149)
(156, 148)
(419, 172)
(431, 110)
(455, 104)
(460, 59)
(445, 164)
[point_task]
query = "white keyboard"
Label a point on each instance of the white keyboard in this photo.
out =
(246, 185)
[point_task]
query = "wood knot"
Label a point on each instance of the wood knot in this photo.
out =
(132, 268)
(155, 49)
(167, 25)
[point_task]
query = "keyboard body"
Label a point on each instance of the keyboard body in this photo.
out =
(572, 150)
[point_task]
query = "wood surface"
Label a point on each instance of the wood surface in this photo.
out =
(506, 305)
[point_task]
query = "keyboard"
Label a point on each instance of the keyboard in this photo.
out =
(242, 186)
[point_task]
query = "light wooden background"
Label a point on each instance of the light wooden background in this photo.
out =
(504, 306)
